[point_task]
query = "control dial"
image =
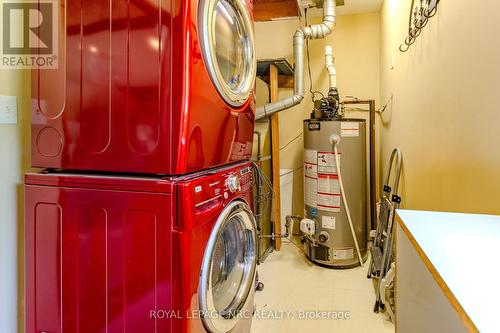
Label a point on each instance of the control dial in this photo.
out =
(233, 183)
(324, 237)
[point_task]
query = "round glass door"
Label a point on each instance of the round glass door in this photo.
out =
(226, 35)
(228, 270)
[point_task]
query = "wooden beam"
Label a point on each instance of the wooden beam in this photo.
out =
(284, 81)
(275, 155)
(267, 10)
(358, 101)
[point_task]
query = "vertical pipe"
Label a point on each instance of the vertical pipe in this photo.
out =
(332, 73)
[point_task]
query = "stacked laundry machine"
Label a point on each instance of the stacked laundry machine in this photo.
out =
(141, 219)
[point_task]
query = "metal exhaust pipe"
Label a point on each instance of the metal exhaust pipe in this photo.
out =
(314, 31)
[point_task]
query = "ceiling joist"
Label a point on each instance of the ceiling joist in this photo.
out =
(266, 10)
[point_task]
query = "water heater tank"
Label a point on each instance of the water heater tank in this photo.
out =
(332, 244)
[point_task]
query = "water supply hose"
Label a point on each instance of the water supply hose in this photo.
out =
(335, 139)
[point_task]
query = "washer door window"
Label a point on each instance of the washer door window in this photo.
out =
(228, 271)
(226, 34)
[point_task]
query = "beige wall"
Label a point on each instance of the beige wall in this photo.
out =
(14, 161)
(444, 114)
(356, 47)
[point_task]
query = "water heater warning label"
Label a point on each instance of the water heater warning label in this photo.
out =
(343, 253)
(328, 184)
(310, 177)
(329, 202)
(328, 222)
(349, 129)
(310, 192)
(321, 182)
(311, 170)
(327, 163)
(310, 156)
(328, 192)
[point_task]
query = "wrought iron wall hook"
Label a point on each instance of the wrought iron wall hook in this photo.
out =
(421, 21)
(418, 19)
(404, 47)
(410, 40)
(428, 13)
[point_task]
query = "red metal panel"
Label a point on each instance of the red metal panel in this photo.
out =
(84, 268)
(105, 254)
(139, 285)
(132, 94)
(106, 182)
(144, 82)
(95, 75)
(47, 245)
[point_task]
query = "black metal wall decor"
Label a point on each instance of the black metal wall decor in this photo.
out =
(420, 14)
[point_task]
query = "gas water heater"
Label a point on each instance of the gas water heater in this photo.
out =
(327, 234)
(335, 212)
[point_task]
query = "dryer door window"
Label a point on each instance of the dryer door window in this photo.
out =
(228, 271)
(227, 41)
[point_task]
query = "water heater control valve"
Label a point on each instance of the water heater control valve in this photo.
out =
(308, 227)
(233, 183)
(324, 237)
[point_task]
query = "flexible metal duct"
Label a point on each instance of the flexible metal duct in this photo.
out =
(315, 31)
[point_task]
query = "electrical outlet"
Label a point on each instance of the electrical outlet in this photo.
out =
(8, 109)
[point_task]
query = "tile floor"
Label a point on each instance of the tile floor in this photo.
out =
(293, 284)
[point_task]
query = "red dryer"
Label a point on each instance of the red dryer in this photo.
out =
(116, 254)
(157, 87)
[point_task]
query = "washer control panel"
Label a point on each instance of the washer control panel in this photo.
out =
(205, 195)
(246, 179)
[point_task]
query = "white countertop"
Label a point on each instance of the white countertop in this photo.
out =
(464, 249)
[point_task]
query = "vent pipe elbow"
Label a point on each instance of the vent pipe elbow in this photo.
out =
(315, 31)
(325, 28)
(283, 104)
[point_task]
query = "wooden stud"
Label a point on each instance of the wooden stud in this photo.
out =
(284, 81)
(275, 155)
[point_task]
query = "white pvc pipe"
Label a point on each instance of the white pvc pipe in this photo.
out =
(337, 162)
(332, 73)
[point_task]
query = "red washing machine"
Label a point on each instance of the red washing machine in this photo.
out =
(140, 255)
(147, 86)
